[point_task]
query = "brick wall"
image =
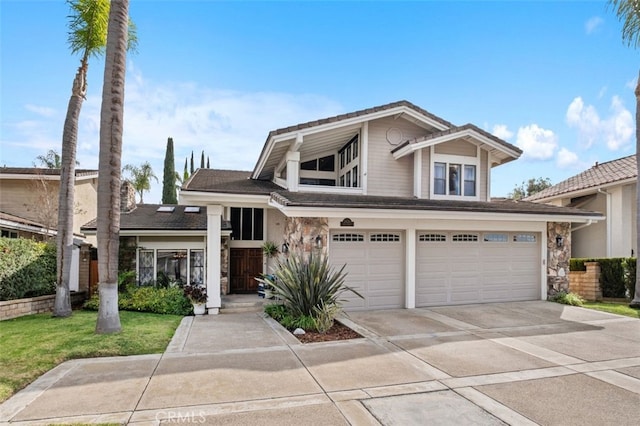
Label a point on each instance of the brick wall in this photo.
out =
(33, 305)
(586, 283)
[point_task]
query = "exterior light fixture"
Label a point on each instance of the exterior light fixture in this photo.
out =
(285, 248)
(559, 241)
(318, 242)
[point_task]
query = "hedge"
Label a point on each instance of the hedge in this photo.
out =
(27, 268)
(617, 274)
(149, 299)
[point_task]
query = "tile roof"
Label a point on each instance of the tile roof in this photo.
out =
(42, 171)
(358, 114)
(457, 129)
(228, 181)
(598, 175)
(17, 219)
(497, 205)
(147, 217)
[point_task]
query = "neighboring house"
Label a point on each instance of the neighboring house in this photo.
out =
(29, 209)
(168, 241)
(399, 195)
(609, 188)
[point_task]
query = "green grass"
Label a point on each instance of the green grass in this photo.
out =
(34, 344)
(620, 308)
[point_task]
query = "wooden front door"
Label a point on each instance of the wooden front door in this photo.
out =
(246, 265)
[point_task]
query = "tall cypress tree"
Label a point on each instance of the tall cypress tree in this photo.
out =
(202, 160)
(208, 166)
(192, 169)
(169, 178)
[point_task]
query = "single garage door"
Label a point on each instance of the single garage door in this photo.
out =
(476, 267)
(375, 267)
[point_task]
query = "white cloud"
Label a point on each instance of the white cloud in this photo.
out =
(536, 142)
(615, 131)
(593, 24)
(41, 110)
(501, 131)
(567, 159)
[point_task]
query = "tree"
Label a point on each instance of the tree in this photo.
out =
(628, 11)
(50, 161)
(531, 187)
(202, 160)
(111, 127)
(140, 178)
(192, 168)
(208, 166)
(169, 176)
(88, 23)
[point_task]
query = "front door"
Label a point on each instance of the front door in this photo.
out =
(246, 265)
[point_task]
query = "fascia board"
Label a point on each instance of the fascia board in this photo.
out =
(27, 228)
(14, 176)
(157, 232)
(409, 149)
(199, 197)
(428, 214)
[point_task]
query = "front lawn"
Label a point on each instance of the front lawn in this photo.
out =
(34, 344)
(620, 308)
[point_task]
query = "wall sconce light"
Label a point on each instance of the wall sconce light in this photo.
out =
(559, 241)
(285, 248)
(318, 242)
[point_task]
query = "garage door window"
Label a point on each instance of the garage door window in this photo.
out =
(440, 238)
(384, 237)
(348, 237)
(524, 238)
(459, 238)
(495, 238)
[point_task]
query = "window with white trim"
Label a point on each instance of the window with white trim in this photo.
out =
(349, 160)
(454, 176)
(247, 224)
(524, 238)
(496, 238)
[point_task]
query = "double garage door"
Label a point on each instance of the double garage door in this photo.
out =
(451, 267)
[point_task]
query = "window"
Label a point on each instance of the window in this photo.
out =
(171, 266)
(192, 209)
(459, 238)
(9, 234)
(166, 209)
(309, 165)
(317, 181)
(524, 238)
(354, 176)
(495, 238)
(348, 237)
(384, 237)
(247, 223)
(196, 265)
(145, 270)
(347, 179)
(455, 179)
(348, 173)
(433, 237)
(327, 164)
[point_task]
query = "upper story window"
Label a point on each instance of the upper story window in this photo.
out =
(455, 176)
(247, 224)
(349, 159)
(319, 171)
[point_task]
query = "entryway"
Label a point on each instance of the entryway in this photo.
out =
(246, 265)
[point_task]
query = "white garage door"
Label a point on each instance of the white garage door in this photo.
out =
(375, 267)
(476, 267)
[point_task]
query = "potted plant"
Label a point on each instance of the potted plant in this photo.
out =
(269, 249)
(198, 297)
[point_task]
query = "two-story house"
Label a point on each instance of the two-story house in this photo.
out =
(399, 195)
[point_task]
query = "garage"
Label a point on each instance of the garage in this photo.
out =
(375, 267)
(455, 268)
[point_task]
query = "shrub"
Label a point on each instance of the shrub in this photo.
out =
(149, 299)
(276, 311)
(567, 298)
(27, 268)
(612, 280)
(630, 269)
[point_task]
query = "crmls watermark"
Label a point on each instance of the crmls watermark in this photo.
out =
(180, 417)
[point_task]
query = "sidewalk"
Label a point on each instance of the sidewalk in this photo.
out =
(515, 363)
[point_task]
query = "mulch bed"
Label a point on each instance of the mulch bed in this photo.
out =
(339, 331)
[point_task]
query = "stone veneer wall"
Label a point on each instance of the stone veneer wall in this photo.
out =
(558, 257)
(300, 233)
(224, 266)
(586, 283)
(34, 305)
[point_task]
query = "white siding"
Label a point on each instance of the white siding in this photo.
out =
(456, 147)
(426, 173)
(591, 240)
(482, 175)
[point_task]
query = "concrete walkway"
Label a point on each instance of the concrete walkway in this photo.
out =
(512, 363)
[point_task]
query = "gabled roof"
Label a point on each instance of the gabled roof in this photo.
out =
(227, 181)
(601, 174)
(403, 107)
(495, 206)
(502, 150)
(146, 217)
(31, 172)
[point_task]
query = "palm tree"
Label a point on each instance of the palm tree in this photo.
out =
(628, 11)
(88, 36)
(51, 160)
(140, 178)
(111, 128)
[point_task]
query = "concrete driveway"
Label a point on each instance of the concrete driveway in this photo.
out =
(510, 363)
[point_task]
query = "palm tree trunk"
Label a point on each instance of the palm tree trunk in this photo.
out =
(111, 128)
(635, 303)
(66, 200)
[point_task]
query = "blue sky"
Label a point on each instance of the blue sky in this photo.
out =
(553, 78)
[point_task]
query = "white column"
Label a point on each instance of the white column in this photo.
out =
(417, 174)
(410, 273)
(364, 150)
(293, 170)
(214, 223)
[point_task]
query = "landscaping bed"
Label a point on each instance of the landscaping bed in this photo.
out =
(338, 331)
